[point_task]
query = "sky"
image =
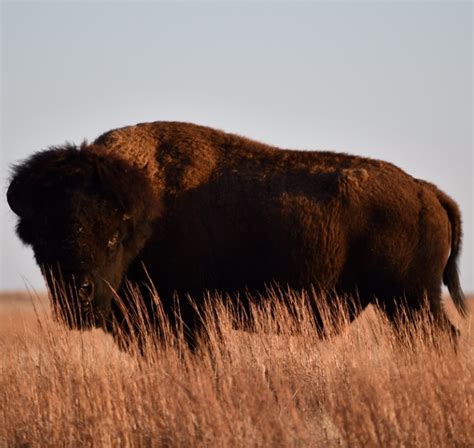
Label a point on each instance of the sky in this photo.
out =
(391, 81)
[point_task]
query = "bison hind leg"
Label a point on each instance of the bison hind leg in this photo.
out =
(420, 314)
(443, 323)
(334, 311)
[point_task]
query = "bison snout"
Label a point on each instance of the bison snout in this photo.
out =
(86, 291)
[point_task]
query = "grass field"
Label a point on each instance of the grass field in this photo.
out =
(278, 386)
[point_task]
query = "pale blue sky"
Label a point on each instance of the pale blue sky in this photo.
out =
(391, 81)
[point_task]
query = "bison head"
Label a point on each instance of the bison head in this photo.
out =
(86, 215)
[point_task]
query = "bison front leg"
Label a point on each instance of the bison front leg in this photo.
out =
(138, 324)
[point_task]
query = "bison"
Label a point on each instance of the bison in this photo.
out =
(192, 209)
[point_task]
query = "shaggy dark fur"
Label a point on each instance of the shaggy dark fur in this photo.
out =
(195, 209)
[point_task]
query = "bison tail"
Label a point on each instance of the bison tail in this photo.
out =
(451, 274)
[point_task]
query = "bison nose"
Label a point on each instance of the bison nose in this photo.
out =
(86, 290)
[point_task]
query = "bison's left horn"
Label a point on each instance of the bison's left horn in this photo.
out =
(18, 201)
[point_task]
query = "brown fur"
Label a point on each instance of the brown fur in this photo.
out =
(233, 215)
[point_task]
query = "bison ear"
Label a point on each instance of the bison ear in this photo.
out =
(19, 197)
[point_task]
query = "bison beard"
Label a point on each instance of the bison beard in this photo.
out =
(191, 209)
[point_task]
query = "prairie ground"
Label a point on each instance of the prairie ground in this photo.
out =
(277, 386)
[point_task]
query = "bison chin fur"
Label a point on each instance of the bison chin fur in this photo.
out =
(176, 210)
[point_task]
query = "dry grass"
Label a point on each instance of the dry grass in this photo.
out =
(361, 388)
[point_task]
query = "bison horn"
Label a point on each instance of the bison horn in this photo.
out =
(17, 200)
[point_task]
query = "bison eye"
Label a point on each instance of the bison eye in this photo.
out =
(112, 243)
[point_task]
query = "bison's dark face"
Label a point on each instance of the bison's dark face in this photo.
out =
(86, 216)
(79, 242)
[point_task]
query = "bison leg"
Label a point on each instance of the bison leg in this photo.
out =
(408, 315)
(442, 322)
(333, 312)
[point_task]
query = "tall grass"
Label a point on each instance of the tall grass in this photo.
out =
(279, 385)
